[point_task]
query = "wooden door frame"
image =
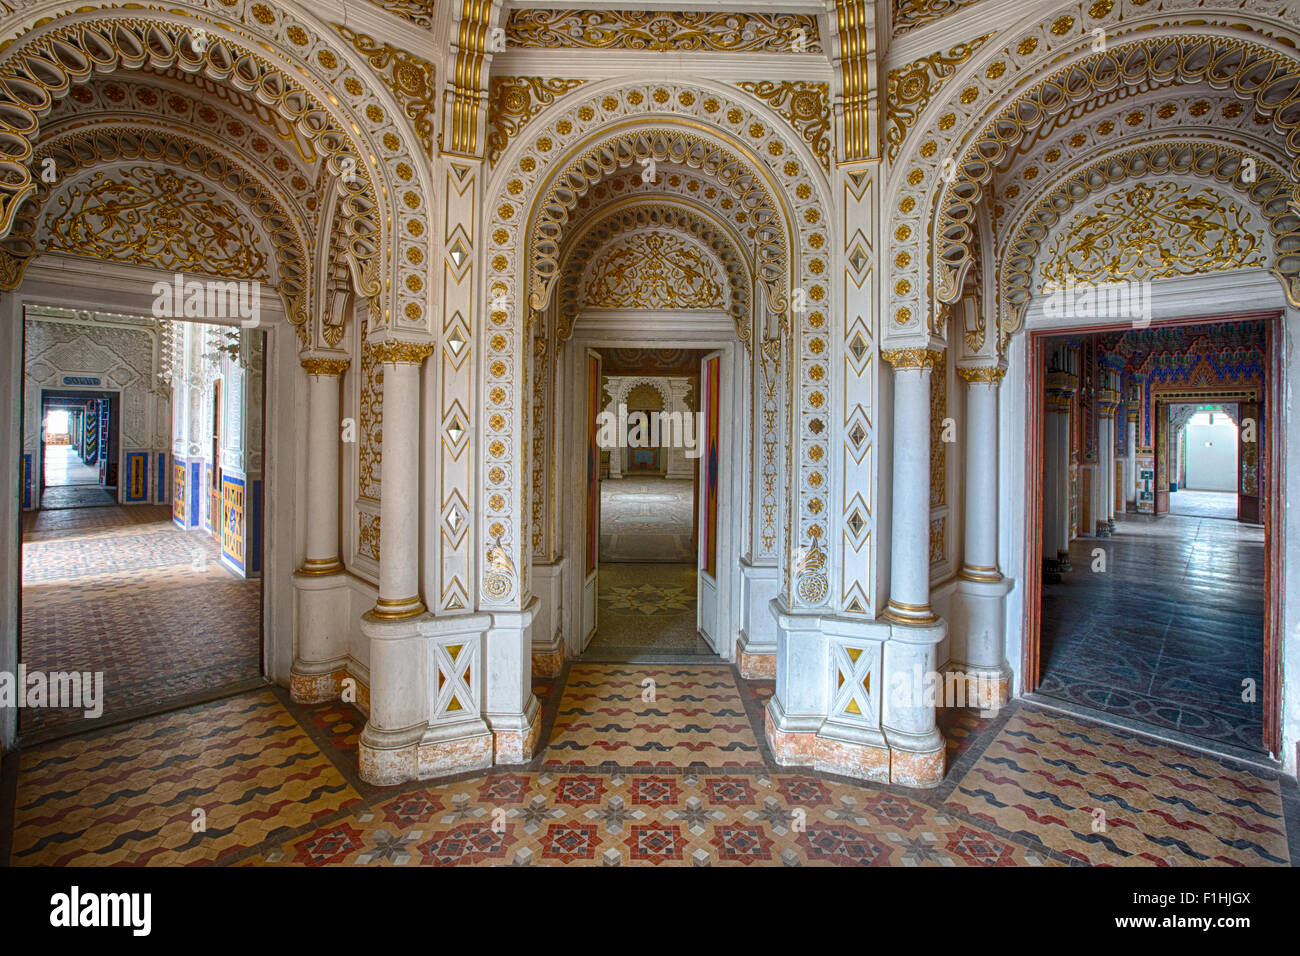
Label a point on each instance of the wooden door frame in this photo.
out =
(1273, 513)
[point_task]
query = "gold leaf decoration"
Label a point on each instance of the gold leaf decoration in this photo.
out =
(516, 100)
(156, 218)
(910, 14)
(370, 449)
(419, 12)
(910, 89)
(655, 270)
(660, 31)
(1153, 231)
(805, 106)
(408, 77)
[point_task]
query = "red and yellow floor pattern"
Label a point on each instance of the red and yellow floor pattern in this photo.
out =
(276, 784)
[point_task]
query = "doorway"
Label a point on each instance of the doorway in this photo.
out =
(1162, 621)
(78, 449)
(655, 530)
(122, 610)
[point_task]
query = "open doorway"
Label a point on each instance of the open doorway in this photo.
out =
(1204, 460)
(124, 606)
(654, 518)
(1158, 617)
(78, 448)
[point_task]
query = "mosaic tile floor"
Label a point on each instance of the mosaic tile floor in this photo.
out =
(278, 786)
(647, 519)
(135, 597)
(1168, 633)
(646, 609)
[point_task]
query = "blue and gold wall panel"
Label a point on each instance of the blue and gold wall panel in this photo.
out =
(27, 481)
(137, 477)
(160, 483)
(233, 521)
(178, 495)
(196, 490)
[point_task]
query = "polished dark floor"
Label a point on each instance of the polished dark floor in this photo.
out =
(1168, 632)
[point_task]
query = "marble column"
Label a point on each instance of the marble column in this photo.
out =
(916, 748)
(1107, 405)
(1061, 387)
(978, 624)
(320, 645)
(388, 748)
(1130, 479)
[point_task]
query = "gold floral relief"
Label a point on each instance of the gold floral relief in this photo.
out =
(408, 77)
(938, 447)
(368, 536)
(370, 450)
(654, 270)
(156, 218)
(909, 89)
(419, 12)
(661, 31)
(514, 101)
(1153, 231)
(910, 14)
(805, 106)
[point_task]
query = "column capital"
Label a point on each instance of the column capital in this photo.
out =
(325, 364)
(918, 357)
(982, 374)
(399, 353)
(1107, 402)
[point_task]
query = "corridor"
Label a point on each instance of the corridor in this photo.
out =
(1168, 632)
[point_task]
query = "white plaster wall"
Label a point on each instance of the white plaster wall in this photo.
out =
(1212, 456)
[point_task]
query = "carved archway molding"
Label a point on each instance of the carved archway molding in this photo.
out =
(632, 381)
(1265, 76)
(58, 51)
(790, 173)
(659, 140)
(104, 144)
(641, 213)
(1214, 161)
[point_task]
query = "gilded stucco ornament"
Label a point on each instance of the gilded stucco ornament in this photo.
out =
(514, 101)
(662, 31)
(910, 89)
(408, 77)
(805, 106)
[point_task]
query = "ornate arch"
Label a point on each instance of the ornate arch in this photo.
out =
(291, 69)
(660, 142)
(633, 381)
(101, 144)
(1270, 191)
(646, 212)
(1253, 71)
(1040, 69)
(622, 118)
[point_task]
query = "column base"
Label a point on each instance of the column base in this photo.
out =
(516, 745)
(455, 748)
(315, 688)
(921, 769)
(795, 747)
(1051, 571)
(1103, 529)
(387, 759)
(851, 753)
(548, 663)
(1110, 524)
(1063, 561)
(754, 666)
